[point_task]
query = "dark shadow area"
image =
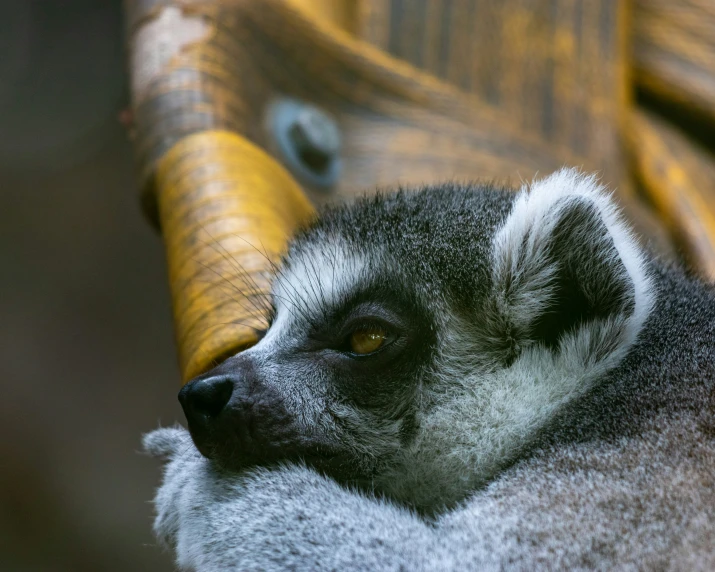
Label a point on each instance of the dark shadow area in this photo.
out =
(87, 361)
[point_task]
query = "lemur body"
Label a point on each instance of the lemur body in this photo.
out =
(536, 388)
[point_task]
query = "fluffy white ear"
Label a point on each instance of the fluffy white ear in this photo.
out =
(565, 260)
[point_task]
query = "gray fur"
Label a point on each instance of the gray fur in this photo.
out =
(643, 502)
(593, 450)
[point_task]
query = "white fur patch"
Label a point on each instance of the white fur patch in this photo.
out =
(525, 238)
(315, 280)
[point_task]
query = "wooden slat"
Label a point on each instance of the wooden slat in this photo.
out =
(557, 67)
(227, 209)
(340, 13)
(674, 51)
(679, 177)
(383, 106)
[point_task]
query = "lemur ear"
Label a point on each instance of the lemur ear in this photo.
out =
(564, 260)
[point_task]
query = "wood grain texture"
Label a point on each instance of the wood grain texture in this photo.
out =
(674, 51)
(399, 125)
(340, 13)
(559, 68)
(227, 209)
(679, 177)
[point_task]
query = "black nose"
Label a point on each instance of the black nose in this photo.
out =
(206, 397)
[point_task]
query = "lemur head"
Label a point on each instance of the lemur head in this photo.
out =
(422, 340)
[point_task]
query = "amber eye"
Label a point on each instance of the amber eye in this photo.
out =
(368, 340)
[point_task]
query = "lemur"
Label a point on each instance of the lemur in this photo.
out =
(458, 377)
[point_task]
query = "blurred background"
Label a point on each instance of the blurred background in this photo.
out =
(87, 361)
